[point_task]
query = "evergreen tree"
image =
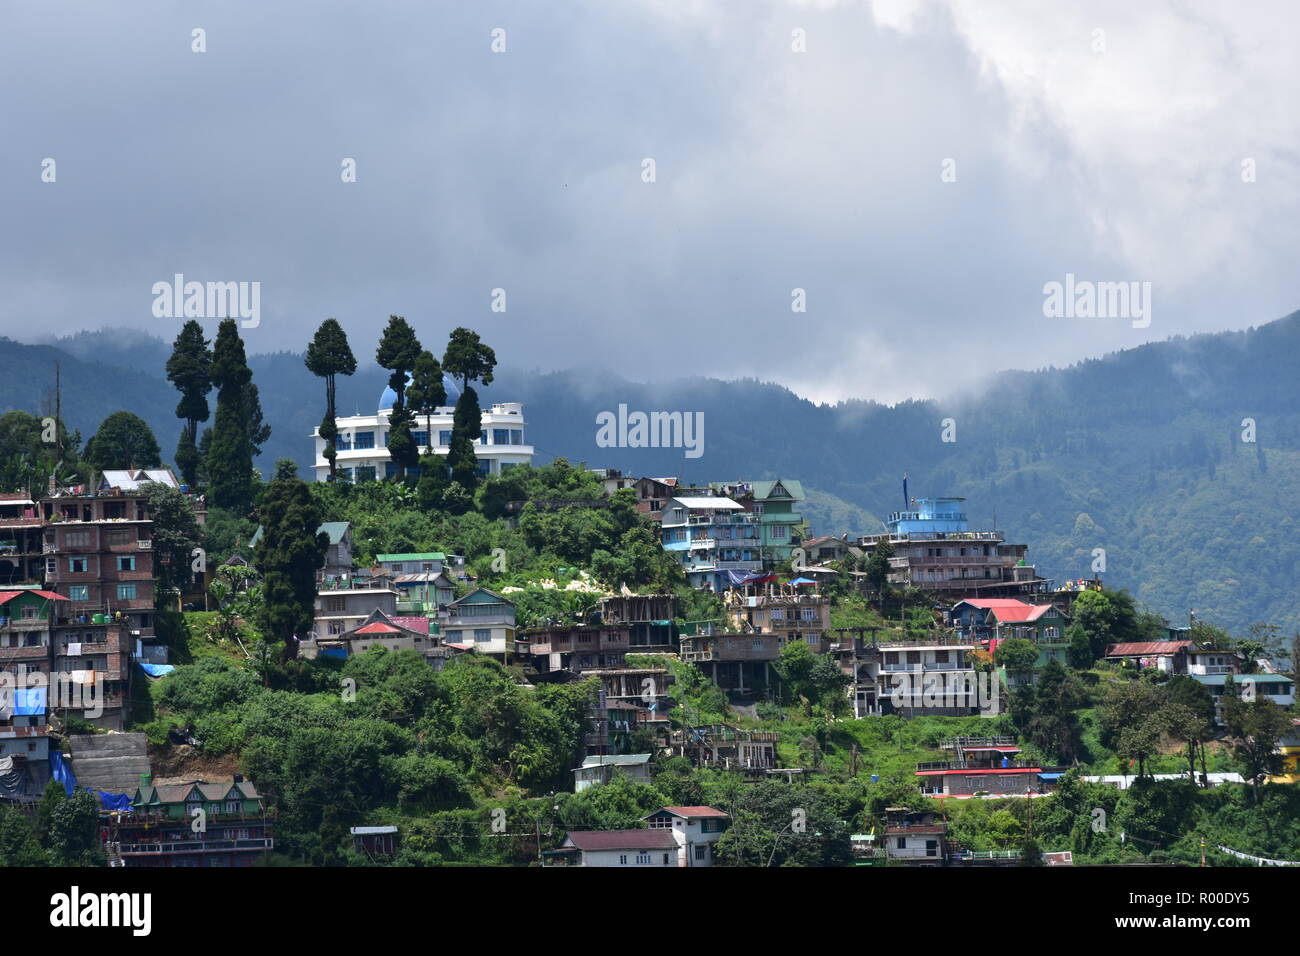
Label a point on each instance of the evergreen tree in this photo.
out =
(175, 536)
(258, 430)
(468, 359)
(288, 555)
(123, 440)
(329, 355)
(229, 461)
(466, 426)
(427, 393)
(189, 370)
(398, 351)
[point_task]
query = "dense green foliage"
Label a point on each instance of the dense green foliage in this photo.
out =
(123, 440)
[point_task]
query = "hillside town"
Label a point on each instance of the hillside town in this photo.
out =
(759, 671)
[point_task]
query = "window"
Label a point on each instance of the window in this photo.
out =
(482, 635)
(76, 565)
(622, 859)
(701, 852)
(337, 605)
(444, 437)
(126, 592)
(365, 473)
(902, 843)
(364, 440)
(501, 436)
(421, 437)
(780, 532)
(76, 539)
(453, 637)
(29, 613)
(126, 562)
(79, 592)
(813, 638)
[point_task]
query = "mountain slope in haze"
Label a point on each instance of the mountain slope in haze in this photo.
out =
(1136, 457)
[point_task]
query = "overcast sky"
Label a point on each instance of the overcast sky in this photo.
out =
(1116, 156)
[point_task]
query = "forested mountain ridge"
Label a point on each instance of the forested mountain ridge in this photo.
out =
(1139, 453)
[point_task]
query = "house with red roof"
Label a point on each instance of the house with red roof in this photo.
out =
(988, 622)
(696, 830)
(673, 836)
(985, 767)
(380, 629)
(620, 848)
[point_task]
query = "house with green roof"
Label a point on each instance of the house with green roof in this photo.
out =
(192, 824)
(774, 503)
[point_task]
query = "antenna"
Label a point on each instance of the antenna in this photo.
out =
(58, 416)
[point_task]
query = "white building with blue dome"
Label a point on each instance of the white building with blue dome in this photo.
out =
(362, 444)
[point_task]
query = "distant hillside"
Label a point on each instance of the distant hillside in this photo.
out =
(1138, 453)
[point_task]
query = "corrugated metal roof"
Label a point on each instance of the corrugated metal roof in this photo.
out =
(623, 839)
(1146, 648)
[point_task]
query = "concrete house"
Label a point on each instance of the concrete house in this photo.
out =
(696, 830)
(483, 620)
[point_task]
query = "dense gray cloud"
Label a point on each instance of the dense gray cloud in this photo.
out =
(775, 170)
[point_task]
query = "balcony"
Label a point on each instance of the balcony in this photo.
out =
(194, 846)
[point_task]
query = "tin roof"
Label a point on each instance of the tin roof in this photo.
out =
(623, 839)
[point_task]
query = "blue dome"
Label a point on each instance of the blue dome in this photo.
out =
(389, 396)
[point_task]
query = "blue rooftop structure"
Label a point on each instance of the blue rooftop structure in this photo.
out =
(930, 515)
(389, 396)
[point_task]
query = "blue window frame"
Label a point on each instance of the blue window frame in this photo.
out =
(364, 440)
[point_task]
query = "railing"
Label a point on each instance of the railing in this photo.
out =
(973, 742)
(197, 846)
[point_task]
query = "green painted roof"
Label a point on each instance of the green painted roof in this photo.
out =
(1217, 680)
(412, 556)
(335, 529)
(763, 489)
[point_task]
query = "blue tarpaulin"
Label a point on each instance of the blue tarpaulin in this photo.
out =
(114, 801)
(30, 702)
(156, 670)
(61, 772)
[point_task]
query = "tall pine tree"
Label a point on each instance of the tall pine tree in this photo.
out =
(329, 355)
(398, 350)
(288, 556)
(229, 463)
(470, 360)
(189, 370)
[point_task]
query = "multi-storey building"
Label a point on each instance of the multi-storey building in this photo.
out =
(784, 612)
(859, 658)
(362, 443)
(27, 618)
(22, 539)
(648, 619)
(346, 602)
(935, 550)
(485, 621)
(576, 649)
(740, 663)
(773, 505)
(710, 536)
(935, 678)
(24, 744)
(99, 556)
(985, 766)
(192, 824)
(990, 621)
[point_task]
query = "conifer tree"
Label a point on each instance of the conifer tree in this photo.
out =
(470, 360)
(188, 369)
(398, 350)
(288, 555)
(329, 355)
(229, 462)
